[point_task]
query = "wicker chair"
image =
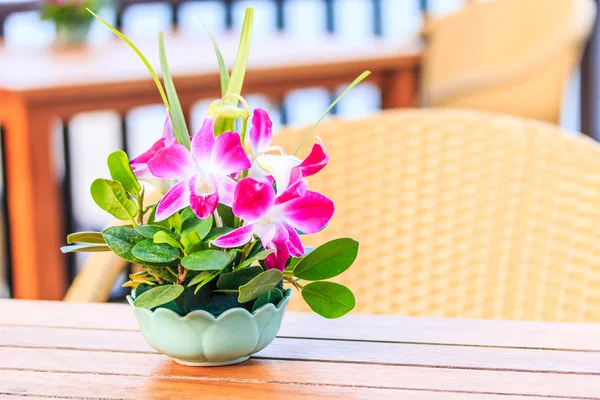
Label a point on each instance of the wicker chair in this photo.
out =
(460, 214)
(463, 214)
(509, 56)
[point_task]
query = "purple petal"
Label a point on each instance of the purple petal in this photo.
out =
(173, 162)
(204, 141)
(226, 191)
(140, 161)
(315, 161)
(235, 238)
(261, 132)
(204, 197)
(309, 213)
(176, 198)
(294, 244)
(252, 199)
(167, 135)
(228, 155)
(297, 189)
(279, 258)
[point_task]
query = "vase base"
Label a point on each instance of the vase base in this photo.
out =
(210, 363)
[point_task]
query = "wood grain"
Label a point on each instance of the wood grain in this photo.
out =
(425, 355)
(91, 386)
(80, 361)
(491, 333)
(306, 373)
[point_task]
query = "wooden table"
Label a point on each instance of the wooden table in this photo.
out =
(37, 86)
(67, 350)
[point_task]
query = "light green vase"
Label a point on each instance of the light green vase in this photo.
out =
(201, 339)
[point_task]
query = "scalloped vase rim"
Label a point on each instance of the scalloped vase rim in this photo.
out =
(282, 303)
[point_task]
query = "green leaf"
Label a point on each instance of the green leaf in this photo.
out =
(120, 171)
(359, 79)
(226, 214)
(223, 72)
(327, 260)
(238, 73)
(195, 224)
(152, 219)
(160, 253)
(216, 233)
(157, 296)
(202, 279)
(258, 256)
(140, 55)
(175, 111)
(111, 197)
(206, 260)
(259, 285)
(85, 237)
(273, 296)
(164, 237)
(148, 231)
(162, 273)
(175, 221)
(328, 299)
(233, 280)
(84, 248)
(187, 213)
(121, 240)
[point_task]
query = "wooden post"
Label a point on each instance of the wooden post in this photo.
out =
(400, 88)
(38, 268)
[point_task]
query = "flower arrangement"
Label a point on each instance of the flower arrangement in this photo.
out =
(227, 232)
(71, 18)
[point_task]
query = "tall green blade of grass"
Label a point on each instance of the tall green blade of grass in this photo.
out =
(358, 80)
(175, 112)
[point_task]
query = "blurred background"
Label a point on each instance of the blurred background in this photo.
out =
(82, 142)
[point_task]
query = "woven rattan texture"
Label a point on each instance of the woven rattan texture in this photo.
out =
(463, 214)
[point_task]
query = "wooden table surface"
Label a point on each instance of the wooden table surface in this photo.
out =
(39, 85)
(67, 350)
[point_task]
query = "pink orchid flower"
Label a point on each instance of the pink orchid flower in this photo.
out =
(283, 168)
(203, 173)
(275, 218)
(139, 165)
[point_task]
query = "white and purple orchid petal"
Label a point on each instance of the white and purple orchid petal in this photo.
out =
(204, 141)
(279, 167)
(261, 132)
(294, 244)
(138, 164)
(226, 191)
(279, 257)
(253, 199)
(265, 231)
(228, 155)
(173, 162)
(175, 199)
(295, 190)
(309, 213)
(315, 161)
(236, 238)
(204, 196)
(167, 135)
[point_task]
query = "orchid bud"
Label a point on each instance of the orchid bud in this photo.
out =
(221, 110)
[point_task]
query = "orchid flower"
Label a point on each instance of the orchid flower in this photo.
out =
(275, 218)
(203, 172)
(283, 168)
(139, 165)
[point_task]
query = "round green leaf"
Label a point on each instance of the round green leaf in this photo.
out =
(158, 296)
(148, 231)
(120, 171)
(259, 285)
(329, 299)
(164, 237)
(111, 197)
(328, 260)
(121, 240)
(195, 224)
(273, 296)
(206, 260)
(233, 280)
(151, 252)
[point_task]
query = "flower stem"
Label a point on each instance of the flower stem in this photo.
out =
(181, 274)
(218, 219)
